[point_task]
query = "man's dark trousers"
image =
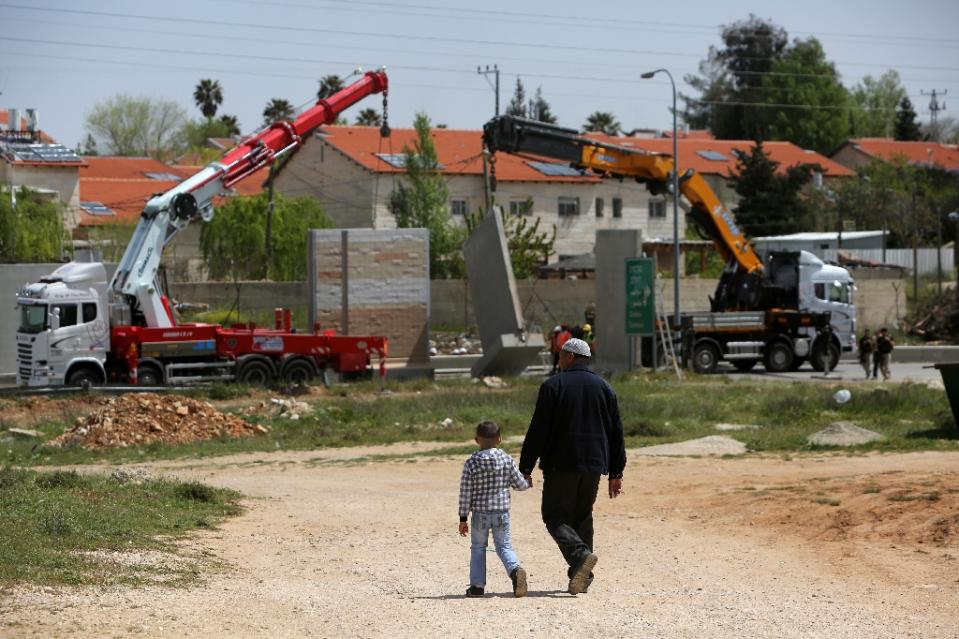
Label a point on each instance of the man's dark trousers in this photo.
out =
(568, 499)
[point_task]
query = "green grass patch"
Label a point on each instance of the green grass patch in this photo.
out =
(655, 410)
(63, 527)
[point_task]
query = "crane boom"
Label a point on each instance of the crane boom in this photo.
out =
(168, 213)
(737, 287)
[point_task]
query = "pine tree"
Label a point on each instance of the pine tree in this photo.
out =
(539, 108)
(769, 201)
(517, 106)
(907, 129)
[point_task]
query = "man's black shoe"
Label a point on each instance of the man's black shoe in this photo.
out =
(589, 582)
(519, 581)
(474, 591)
(578, 582)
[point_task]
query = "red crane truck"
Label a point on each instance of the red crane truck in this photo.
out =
(75, 328)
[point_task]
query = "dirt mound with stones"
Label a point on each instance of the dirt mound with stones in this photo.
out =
(137, 420)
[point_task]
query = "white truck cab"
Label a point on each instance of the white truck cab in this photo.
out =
(825, 287)
(64, 331)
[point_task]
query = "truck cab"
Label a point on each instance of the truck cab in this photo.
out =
(825, 287)
(64, 332)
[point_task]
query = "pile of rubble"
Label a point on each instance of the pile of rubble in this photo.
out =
(137, 420)
(454, 344)
(938, 320)
(285, 408)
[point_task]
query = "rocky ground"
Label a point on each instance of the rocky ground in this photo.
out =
(349, 543)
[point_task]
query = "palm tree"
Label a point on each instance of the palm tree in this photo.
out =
(369, 117)
(276, 110)
(329, 84)
(208, 95)
(602, 122)
(231, 124)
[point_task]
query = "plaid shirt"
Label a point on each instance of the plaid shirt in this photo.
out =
(487, 477)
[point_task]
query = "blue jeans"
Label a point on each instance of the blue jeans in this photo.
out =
(483, 523)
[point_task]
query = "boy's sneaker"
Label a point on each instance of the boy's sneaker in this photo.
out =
(589, 582)
(519, 581)
(475, 591)
(579, 581)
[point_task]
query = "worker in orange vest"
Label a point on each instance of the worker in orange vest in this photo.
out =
(561, 335)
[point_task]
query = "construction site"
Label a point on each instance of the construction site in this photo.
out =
(245, 370)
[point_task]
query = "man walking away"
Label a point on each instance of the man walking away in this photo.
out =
(577, 435)
(866, 346)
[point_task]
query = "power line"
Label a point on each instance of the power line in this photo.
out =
(406, 37)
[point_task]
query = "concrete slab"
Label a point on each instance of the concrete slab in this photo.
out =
(509, 355)
(613, 247)
(507, 348)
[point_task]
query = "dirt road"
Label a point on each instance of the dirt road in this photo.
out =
(815, 546)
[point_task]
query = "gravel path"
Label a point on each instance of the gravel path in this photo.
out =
(330, 548)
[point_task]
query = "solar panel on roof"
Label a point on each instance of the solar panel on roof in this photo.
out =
(554, 169)
(53, 153)
(715, 156)
(96, 208)
(163, 176)
(398, 160)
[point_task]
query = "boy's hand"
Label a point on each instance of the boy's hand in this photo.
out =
(529, 479)
(464, 528)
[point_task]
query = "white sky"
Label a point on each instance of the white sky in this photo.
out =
(62, 56)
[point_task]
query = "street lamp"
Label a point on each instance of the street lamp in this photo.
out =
(647, 76)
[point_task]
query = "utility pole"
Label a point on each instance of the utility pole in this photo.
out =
(486, 72)
(934, 109)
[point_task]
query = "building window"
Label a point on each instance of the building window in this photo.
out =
(568, 206)
(617, 207)
(520, 207)
(657, 208)
(599, 206)
(458, 207)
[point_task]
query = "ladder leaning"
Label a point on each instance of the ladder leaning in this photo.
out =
(665, 336)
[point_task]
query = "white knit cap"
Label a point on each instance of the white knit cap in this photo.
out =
(577, 347)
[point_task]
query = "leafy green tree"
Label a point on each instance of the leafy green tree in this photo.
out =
(421, 200)
(528, 246)
(770, 202)
(803, 76)
(208, 96)
(944, 130)
(369, 117)
(194, 134)
(230, 124)
(875, 100)
(233, 243)
(539, 108)
(329, 84)
(602, 122)
(732, 81)
(906, 128)
(517, 105)
(277, 109)
(31, 230)
(137, 126)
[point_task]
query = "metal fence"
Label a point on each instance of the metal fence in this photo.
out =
(927, 258)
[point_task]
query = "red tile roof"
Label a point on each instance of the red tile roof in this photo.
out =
(121, 184)
(693, 154)
(944, 155)
(459, 152)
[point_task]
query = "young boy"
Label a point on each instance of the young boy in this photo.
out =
(484, 491)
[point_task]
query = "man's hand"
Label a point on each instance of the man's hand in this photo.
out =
(464, 528)
(615, 487)
(529, 479)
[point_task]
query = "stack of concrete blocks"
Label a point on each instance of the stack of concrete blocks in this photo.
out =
(507, 348)
(373, 282)
(613, 346)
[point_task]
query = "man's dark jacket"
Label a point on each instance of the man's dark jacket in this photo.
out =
(576, 426)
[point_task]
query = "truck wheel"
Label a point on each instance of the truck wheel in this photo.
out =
(298, 372)
(778, 357)
(84, 376)
(705, 358)
(255, 372)
(149, 375)
(744, 365)
(825, 357)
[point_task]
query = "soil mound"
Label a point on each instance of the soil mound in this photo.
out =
(843, 434)
(137, 420)
(711, 445)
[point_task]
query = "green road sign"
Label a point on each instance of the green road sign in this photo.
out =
(640, 296)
